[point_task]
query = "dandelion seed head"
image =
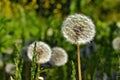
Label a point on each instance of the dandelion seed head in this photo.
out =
(116, 43)
(10, 68)
(78, 28)
(59, 56)
(43, 52)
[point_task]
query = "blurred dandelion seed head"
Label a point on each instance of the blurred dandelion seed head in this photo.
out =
(10, 68)
(8, 51)
(59, 56)
(50, 32)
(118, 24)
(40, 78)
(78, 28)
(116, 43)
(43, 52)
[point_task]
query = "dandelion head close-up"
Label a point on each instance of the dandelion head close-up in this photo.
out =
(43, 52)
(78, 28)
(116, 43)
(59, 56)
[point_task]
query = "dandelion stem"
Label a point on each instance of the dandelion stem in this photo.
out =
(38, 70)
(79, 64)
(11, 78)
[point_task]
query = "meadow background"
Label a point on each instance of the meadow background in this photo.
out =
(25, 21)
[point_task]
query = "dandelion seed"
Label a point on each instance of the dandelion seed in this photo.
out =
(78, 28)
(43, 52)
(59, 56)
(10, 68)
(116, 43)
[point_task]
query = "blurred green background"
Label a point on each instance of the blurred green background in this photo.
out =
(24, 21)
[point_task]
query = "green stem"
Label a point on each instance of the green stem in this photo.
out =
(38, 73)
(79, 64)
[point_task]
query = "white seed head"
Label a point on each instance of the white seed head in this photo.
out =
(10, 68)
(43, 52)
(116, 43)
(59, 56)
(78, 28)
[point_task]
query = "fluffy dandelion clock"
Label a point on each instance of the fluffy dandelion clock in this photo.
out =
(116, 43)
(78, 28)
(10, 68)
(43, 52)
(59, 56)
